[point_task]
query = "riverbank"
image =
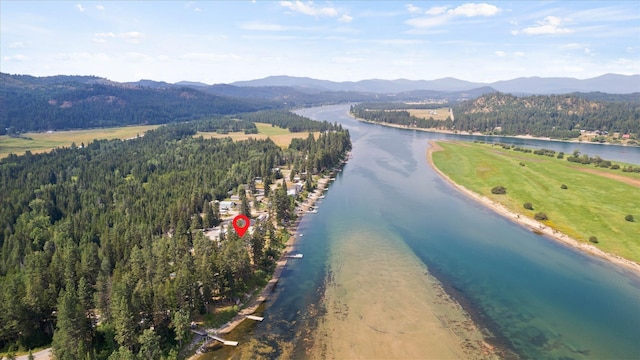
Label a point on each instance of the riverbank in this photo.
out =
(264, 294)
(529, 223)
(477, 133)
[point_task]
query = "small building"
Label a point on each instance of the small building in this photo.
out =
(626, 136)
(235, 197)
(227, 205)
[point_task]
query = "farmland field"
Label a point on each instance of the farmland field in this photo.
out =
(282, 137)
(436, 114)
(43, 142)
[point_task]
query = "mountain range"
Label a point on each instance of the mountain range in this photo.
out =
(609, 83)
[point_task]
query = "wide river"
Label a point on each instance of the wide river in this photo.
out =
(388, 215)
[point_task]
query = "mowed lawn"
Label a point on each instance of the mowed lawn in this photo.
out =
(595, 202)
(43, 142)
(281, 137)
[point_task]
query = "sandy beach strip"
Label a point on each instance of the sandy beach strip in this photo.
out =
(532, 224)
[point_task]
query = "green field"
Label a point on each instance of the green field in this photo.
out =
(43, 142)
(595, 202)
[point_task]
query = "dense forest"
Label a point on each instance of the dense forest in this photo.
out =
(78, 102)
(102, 245)
(555, 116)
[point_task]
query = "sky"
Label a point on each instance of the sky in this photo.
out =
(225, 41)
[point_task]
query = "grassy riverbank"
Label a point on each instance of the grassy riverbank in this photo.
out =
(594, 203)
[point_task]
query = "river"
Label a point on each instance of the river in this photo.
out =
(389, 220)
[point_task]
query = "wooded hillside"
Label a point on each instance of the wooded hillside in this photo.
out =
(556, 116)
(78, 102)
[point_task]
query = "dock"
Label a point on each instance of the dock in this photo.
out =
(256, 318)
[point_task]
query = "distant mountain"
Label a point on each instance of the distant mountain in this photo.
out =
(191, 83)
(609, 83)
(30, 103)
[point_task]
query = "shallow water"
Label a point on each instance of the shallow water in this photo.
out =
(539, 298)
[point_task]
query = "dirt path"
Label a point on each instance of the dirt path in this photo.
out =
(622, 178)
(45, 354)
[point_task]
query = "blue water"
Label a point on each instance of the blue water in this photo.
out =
(539, 298)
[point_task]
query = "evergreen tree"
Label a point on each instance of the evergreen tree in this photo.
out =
(71, 338)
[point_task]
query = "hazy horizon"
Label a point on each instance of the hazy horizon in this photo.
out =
(223, 42)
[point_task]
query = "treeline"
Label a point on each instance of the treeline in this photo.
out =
(575, 157)
(555, 116)
(102, 249)
(287, 120)
(224, 125)
(38, 105)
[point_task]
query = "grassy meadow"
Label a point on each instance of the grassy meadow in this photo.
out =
(436, 114)
(43, 142)
(282, 137)
(595, 202)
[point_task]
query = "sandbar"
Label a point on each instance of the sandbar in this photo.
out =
(380, 302)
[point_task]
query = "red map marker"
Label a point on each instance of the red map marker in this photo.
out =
(241, 229)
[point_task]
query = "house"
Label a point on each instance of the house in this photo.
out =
(292, 192)
(626, 136)
(235, 197)
(227, 205)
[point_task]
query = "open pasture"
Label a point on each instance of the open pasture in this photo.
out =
(282, 137)
(436, 114)
(43, 142)
(594, 203)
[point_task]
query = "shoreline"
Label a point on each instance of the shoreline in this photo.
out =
(450, 132)
(253, 304)
(529, 223)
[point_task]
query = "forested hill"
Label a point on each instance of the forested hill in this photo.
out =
(556, 116)
(73, 102)
(102, 248)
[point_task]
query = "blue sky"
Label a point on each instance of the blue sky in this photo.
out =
(226, 41)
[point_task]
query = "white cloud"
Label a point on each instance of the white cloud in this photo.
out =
(16, 45)
(79, 7)
(519, 54)
(309, 9)
(345, 18)
(413, 9)
(100, 7)
(436, 10)
(549, 25)
(17, 57)
(500, 53)
(472, 9)
(439, 15)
